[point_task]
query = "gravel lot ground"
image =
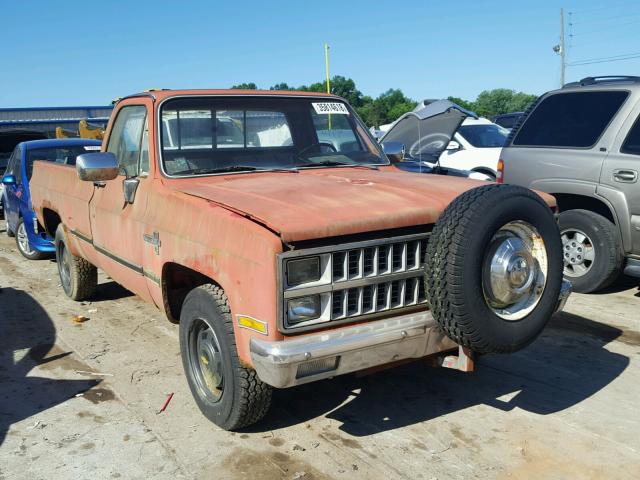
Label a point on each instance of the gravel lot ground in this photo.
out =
(566, 407)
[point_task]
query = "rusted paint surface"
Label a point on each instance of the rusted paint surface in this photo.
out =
(330, 202)
(229, 227)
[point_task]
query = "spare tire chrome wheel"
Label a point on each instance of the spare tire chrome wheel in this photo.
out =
(515, 270)
(494, 268)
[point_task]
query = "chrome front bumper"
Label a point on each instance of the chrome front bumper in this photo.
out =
(327, 354)
(322, 355)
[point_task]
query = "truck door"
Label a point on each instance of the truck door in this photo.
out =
(118, 222)
(621, 174)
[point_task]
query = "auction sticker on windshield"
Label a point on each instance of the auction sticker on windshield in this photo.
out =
(333, 107)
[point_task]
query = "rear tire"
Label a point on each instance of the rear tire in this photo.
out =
(494, 268)
(587, 233)
(24, 247)
(78, 277)
(227, 393)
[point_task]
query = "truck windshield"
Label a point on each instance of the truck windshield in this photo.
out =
(208, 135)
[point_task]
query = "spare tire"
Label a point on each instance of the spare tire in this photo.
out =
(494, 268)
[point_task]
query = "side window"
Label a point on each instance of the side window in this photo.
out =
(126, 137)
(11, 165)
(632, 142)
(575, 119)
(14, 166)
(144, 149)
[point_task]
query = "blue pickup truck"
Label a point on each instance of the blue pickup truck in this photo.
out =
(32, 241)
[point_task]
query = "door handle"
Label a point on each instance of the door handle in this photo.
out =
(625, 176)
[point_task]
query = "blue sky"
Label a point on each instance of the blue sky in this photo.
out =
(85, 52)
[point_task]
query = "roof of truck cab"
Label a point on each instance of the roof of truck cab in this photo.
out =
(163, 94)
(60, 142)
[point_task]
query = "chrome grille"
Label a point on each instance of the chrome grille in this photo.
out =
(363, 278)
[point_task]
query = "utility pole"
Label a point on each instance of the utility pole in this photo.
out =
(326, 65)
(560, 50)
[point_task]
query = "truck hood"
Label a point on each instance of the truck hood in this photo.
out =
(427, 130)
(330, 202)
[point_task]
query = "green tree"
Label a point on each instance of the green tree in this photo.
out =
(245, 86)
(501, 100)
(281, 86)
(463, 103)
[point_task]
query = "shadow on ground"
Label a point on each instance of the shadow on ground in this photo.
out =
(566, 365)
(27, 340)
(623, 283)
(110, 291)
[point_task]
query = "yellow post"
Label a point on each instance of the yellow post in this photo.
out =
(326, 67)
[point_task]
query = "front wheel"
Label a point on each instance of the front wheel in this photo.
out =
(494, 268)
(227, 393)
(23, 244)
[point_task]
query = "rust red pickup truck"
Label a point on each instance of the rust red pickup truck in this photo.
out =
(276, 231)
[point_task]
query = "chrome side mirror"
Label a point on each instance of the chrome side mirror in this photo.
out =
(394, 151)
(97, 167)
(9, 180)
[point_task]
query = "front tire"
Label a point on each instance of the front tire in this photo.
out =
(227, 393)
(78, 277)
(494, 268)
(592, 250)
(22, 242)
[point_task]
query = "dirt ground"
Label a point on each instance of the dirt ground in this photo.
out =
(81, 400)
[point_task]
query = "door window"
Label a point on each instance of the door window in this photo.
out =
(575, 119)
(129, 141)
(13, 167)
(632, 142)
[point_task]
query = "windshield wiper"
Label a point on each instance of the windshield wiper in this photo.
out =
(234, 168)
(335, 163)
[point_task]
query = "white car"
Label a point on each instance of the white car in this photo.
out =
(476, 146)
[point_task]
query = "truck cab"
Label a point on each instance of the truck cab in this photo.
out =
(272, 227)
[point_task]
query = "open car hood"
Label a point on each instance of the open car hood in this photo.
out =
(427, 130)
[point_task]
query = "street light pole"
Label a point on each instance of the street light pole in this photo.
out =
(562, 48)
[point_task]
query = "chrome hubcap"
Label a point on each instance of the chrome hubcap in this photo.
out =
(206, 361)
(514, 271)
(578, 252)
(23, 239)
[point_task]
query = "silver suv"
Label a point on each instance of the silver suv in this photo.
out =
(582, 144)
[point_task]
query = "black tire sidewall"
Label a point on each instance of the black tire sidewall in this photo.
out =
(198, 305)
(606, 246)
(60, 240)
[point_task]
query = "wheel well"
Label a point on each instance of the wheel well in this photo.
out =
(177, 282)
(51, 221)
(572, 202)
(485, 171)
